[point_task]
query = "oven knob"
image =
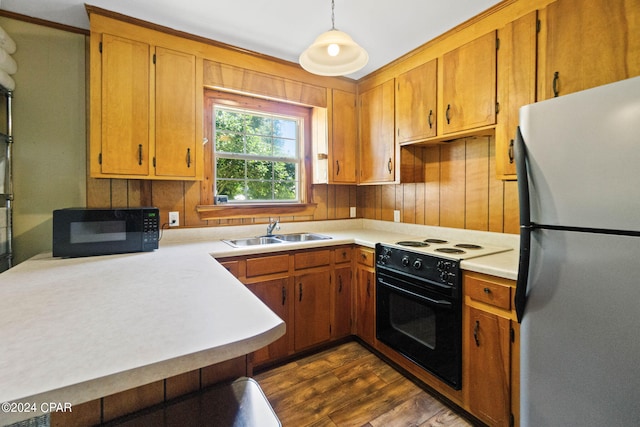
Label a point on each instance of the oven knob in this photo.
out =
(405, 261)
(417, 264)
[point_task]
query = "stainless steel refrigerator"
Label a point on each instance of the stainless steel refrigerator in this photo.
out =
(578, 288)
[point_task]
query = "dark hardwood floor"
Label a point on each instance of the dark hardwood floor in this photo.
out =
(349, 386)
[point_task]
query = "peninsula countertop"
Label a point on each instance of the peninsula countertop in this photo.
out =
(74, 330)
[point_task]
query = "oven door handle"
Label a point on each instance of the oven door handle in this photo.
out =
(441, 303)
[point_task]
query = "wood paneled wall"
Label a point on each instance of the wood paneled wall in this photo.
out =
(460, 190)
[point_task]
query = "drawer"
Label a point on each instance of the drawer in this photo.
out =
(267, 265)
(488, 292)
(343, 255)
(312, 259)
(232, 266)
(366, 256)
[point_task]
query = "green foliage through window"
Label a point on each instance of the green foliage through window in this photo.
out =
(257, 156)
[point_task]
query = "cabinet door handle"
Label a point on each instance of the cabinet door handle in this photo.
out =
(188, 157)
(511, 156)
(475, 333)
(368, 288)
(390, 165)
(430, 119)
(337, 167)
(448, 114)
(140, 154)
(284, 295)
(340, 284)
(556, 80)
(300, 288)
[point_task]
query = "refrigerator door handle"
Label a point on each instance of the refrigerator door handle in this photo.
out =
(520, 299)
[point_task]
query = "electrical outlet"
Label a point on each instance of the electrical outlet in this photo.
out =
(396, 216)
(174, 219)
(352, 212)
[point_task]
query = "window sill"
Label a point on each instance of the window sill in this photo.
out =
(207, 212)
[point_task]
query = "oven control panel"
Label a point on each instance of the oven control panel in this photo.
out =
(443, 271)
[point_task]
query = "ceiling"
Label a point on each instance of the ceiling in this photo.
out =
(281, 28)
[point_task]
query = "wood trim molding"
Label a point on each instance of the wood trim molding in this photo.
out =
(208, 212)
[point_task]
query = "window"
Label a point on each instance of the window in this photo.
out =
(257, 155)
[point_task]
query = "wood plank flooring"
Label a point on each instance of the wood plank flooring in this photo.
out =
(349, 386)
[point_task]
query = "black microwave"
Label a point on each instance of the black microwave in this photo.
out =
(79, 232)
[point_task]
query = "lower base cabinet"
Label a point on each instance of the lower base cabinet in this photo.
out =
(312, 324)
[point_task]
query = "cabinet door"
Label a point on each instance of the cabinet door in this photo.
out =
(516, 85)
(469, 79)
(276, 294)
(416, 103)
(175, 118)
(125, 106)
(312, 313)
(377, 143)
(341, 326)
(365, 305)
(589, 44)
(344, 142)
(489, 366)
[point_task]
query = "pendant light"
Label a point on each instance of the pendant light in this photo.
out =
(333, 53)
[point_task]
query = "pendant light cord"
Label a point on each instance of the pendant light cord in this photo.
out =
(333, 15)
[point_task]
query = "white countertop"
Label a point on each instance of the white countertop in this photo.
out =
(74, 330)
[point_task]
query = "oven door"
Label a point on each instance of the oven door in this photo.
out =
(422, 325)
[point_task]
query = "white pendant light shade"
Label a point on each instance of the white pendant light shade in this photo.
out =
(333, 53)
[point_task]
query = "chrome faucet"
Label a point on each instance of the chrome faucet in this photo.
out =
(273, 225)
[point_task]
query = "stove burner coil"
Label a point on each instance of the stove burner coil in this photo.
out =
(450, 250)
(468, 246)
(412, 243)
(437, 241)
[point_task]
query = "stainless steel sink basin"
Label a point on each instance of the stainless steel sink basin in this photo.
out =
(253, 241)
(301, 237)
(276, 238)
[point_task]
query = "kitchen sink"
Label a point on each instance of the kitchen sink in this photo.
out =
(253, 241)
(301, 237)
(275, 239)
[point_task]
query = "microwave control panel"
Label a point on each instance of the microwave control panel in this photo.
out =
(150, 229)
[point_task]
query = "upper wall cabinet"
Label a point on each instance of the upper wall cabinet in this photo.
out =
(469, 85)
(377, 143)
(416, 103)
(344, 142)
(584, 46)
(516, 85)
(146, 110)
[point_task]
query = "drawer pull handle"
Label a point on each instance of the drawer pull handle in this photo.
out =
(487, 291)
(475, 333)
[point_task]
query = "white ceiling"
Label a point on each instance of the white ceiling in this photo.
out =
(281, 28)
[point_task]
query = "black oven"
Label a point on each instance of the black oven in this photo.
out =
(419, 310)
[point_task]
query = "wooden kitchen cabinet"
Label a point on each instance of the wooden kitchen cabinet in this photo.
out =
(365, 296)
(587, 44)
(377, 143)
(146, 110)
(490, 350)
(342, 288)
(312, 308)
(469, 85)
(277, 294)
(516, 85)
(416, 103)
(343, 153)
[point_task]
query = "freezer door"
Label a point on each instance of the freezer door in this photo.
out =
(583, 152)
(579, 335)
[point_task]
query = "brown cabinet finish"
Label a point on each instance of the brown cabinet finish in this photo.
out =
(469, 85)
(587, 44)
(344, 140)
(516, 85)
(377, 142)
(342, 301)
(365, 296)
(416, 103)
(490, 350)
(312, 309)
(278, 296)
